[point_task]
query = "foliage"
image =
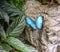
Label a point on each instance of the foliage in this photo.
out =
(17, 44)
(9, 13)
(6, 47)
(17, 26)
(18, 3)
(12, 25)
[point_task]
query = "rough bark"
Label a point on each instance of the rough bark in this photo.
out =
(48, 38)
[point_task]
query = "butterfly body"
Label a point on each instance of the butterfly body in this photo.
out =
(38, 23)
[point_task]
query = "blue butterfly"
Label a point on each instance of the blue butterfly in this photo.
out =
(30, 22)
(37, 24)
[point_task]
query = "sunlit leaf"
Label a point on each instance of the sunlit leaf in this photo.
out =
(17, 44)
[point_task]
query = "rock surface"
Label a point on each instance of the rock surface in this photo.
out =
(51, 27)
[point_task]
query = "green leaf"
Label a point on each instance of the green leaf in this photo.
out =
(18, 3)
(6, 47)
(17, 27)
(1, 48)
(9, 9)
(17, 44)
(14, 14)
(2, 32)
(4, 15)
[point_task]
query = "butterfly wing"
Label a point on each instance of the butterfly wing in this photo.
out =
(39, 22)
(30, 22)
